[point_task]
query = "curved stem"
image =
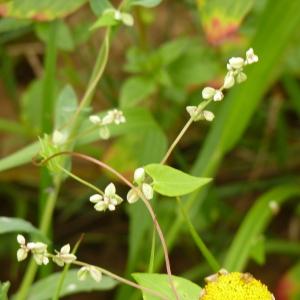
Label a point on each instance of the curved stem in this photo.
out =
(200, 108)
(146, 202)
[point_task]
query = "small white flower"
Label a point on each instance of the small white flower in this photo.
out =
(117, 15)
(22, 252)
(114, 116)
(127, 19)
(139, 175)
(147, 191)
(218, 96)
(208, 115)
(58, 138)
(241, 77)
(96, 120)
(64, 256)
(132, 196)
(228, 80)
(93, 271)
(108, 201)
(208, 92)
(104, 133)
(39, 252)
(235, 63)
(251, 57)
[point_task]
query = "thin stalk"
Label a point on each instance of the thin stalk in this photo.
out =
(146, 202)
(64, 273)
(152, 253)
(211, 260)
(82, 181)
(200, 108)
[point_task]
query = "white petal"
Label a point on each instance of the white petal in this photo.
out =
(228, 81)
(58, 138)
(65, 249)
(208, 115)
(104, 133)
(68, 258)
(95, 119)
(111, 207)
(110, 190)
(218, 96)
(127, 19)
(139, 175)
(236, 62)
(21, 239)
(21, 254)
(45, 260)
(208, 92)
(100, 206)
(58, 260)
(96, 198)
(147, 191)
(132, 196)
(81, 274)
(95, 274)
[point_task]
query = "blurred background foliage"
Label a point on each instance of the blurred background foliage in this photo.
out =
(155, 69)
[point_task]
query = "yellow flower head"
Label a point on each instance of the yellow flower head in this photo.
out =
(234, 286)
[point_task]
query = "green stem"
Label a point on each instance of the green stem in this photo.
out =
(152, 253)
(211, 260)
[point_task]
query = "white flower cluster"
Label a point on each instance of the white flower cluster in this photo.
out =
(123, 17)
(109, 200)
(40, 253)
(145, 188)
(114, 116)
(235, 74)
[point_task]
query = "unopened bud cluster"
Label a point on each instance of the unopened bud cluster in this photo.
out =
(114, 116)
(235, 74)
(143, 187)
(119, 16)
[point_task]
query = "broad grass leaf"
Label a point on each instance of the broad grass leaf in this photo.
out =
(43, 289)
(145, 3)
(98, 7)
(44, 10)
(186, 289)
(136, 89)
(9, 225)
(171, 182)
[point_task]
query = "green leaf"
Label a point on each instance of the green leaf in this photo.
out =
(63, 36)
(66, 106)
(98, 7)
(221, 18)
(172, 182)
(254, 225)
(135, 89)
(186, 289)
(258, 250)
(145, 3)
(43, 289)
(105, 20)
(9, 225)
(4, 287)
(39, 10)
(20, 157)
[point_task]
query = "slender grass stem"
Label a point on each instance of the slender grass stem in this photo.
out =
(152, 253)
(211, 260)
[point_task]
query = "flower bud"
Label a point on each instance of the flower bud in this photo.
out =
(132, 196)
(139, 175)
(208, 115)
(241, 77)
(236, 62)
(147, 191)
(208, 92)
(228, 80)
(95, 119)
(218, 96)
(251, 57)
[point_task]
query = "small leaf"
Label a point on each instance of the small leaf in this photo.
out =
(98, 7)
(258, 251)
(63, 36)
(9, 225)
(172, 182)
(43, 289)
(186, 289)
(135, 89)
(105, 20)
(66, 106)
(145, 3)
